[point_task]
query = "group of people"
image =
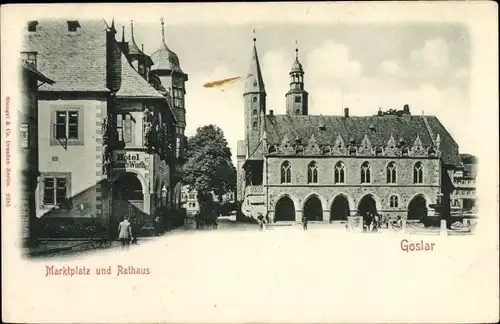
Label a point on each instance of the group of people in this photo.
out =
(371, 222)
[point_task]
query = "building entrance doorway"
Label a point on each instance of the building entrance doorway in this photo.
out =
(285, 210)
(313, 210)
(128, 198)
(417, 209)
(367, 205)
(339, 209)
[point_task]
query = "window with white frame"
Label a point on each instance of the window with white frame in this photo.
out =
(391, 172)
(365, 173)
(418, 173)
(393, 201)
(124, 126)
(55, 188)
(312, 172)
(286, 172)
(67, 124)
(339, 173)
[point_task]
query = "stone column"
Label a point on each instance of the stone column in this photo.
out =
(326, 216)
(443, 230)
(298, 216)
(271, 216)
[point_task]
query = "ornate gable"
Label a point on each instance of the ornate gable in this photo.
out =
(339, 146)
(365, 148)
(313, 147)
(417, 148)
(391, 148)
(286, 146)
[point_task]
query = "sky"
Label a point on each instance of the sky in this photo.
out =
(360, 66)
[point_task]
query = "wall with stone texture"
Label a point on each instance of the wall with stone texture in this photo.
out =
(299, 190)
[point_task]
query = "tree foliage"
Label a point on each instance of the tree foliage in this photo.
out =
(209, 166)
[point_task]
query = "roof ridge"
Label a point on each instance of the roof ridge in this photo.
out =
(429, 130)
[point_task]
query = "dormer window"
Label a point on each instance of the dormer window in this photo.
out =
(29, 57)
(32, 25)
(73, 25)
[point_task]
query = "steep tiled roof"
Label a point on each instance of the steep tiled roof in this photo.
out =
(37, 74)
(134, 85)
(77, 61)
(378, 129)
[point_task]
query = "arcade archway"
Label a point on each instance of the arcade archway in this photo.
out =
(367, 205)
(285, 210)
(339, 209)
(417, 208)
(128, 198)
(312, 209)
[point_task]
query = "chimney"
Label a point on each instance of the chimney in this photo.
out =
(406, 109)
(346, 112)
(271, 112)
(113, 62)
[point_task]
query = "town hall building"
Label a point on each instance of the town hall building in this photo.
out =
(329, 167)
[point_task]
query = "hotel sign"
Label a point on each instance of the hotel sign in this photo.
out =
(129, 160)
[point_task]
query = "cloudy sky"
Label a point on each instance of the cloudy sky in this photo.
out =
(362, 66)
(373, 65)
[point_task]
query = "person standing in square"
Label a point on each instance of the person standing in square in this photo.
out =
(125, 232)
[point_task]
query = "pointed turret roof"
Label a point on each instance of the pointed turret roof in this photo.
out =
(254, 82)
(133, 49)
(164, 58)
(296, 66)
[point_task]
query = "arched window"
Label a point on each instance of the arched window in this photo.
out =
(312, 173)
(365, 173)
(418, 173)
(254, 112)
(254, 125)
(286, 172)
(393, 202)
(254, 99)
(339, 173)
(391, 172)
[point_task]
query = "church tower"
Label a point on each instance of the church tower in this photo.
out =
(254, 96)
(297, 97)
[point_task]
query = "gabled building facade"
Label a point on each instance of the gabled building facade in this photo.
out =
(331, 167)
(106, 136)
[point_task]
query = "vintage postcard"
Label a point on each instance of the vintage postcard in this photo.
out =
(250, 163)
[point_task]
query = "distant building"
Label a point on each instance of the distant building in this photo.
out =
(190, 202)
(330, 167)
(463, 199)
(110, 142)
(28, 117)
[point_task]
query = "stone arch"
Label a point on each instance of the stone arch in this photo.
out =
(285, 209)
(418, 207)
(139, 176)
(368, 203)
(312, 207)
(324, 202)
(352, 205)
(340, 207)
(296, 202)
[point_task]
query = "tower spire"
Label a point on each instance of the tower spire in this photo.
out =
(296, 50)
(123, 34)
(255, 81)
(162, 30)
(132, 30)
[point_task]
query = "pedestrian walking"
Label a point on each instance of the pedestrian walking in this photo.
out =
(157, 225)
(304, 223)
(125, 232)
